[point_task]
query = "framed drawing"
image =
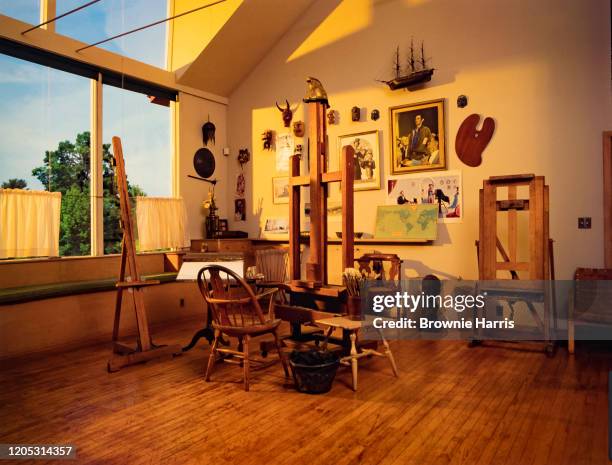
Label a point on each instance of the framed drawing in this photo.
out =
(443, 189)
(418, 137)
(280, 190)
(239, 210)
(367, 158)
(276, 225)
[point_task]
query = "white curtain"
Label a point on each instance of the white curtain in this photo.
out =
(29, 223)
(162, 223)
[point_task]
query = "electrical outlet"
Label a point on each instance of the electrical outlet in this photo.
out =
(584, 222)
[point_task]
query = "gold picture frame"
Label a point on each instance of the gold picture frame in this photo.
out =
(418, 137)
(367, 158)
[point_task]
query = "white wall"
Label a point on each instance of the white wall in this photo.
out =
(193, 112)
(541, 69)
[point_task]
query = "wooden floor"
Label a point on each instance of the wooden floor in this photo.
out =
(451, 404)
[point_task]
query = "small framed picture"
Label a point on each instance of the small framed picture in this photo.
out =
(367, 159)
(276, 225)
(418, 137)
(280, 190)
(239, 210)
(223, 226)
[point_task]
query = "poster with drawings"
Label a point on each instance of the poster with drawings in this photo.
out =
(442, 188)
(284, 150)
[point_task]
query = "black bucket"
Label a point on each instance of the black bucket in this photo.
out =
(314, 370)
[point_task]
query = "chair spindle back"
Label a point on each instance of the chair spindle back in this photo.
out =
(232, 301)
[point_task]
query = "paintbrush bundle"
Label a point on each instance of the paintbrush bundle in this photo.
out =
(352, 280)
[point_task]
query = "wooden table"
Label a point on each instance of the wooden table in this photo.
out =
(352, 327)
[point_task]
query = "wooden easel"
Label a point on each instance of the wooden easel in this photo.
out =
(144, 350)
(318, 180)
(540, 264)
(313, 298)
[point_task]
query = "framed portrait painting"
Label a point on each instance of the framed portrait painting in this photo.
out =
(367, 159)
(418, 137)
(280, 189)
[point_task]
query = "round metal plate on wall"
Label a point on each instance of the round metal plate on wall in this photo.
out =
(204, 162)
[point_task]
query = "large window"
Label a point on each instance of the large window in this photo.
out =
(44, 142)
(144, 129)
(111, 17)
(23, 10)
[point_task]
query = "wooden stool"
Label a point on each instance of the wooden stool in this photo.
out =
(352, 328)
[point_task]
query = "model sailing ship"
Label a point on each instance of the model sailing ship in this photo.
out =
(416, 75)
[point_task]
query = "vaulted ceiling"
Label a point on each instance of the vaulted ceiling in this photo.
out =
(234, 41)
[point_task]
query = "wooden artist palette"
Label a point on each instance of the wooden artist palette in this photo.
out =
(470, 143)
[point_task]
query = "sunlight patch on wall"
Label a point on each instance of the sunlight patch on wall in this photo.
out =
(193, 32)
(349, 17)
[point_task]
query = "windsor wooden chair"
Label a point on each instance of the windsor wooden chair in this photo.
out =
(236, 313)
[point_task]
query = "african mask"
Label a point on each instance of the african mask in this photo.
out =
(208, 133)
(266, 137)
(298, 129)
(287, 113)
(331, 117)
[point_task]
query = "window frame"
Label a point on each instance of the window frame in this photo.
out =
(98, 77)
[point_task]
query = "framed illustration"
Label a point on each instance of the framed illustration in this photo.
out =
(418, 137)
(223, 226)
(280, 190)
(443, 189)
(239, 210)
(277, 225)
(367, 158)
(285, 144)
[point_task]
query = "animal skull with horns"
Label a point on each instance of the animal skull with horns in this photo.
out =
(287, 113)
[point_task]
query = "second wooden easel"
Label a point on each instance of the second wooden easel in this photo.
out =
(144, 349)
(538, 267)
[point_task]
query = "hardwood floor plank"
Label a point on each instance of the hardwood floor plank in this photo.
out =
(450, 405)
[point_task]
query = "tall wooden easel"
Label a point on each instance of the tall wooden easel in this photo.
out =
(144, 350)
(318, 180)
(539, 267)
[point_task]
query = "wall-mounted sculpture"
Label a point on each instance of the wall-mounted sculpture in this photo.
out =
(462, 101)
(208, 133)
(418, 70)
(267, 137)
(315, 92)
(298, 129)
(287, 113)
(204, 163)
(332, 117)
(243, 157)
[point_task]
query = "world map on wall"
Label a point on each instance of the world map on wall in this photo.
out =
(409, 222)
